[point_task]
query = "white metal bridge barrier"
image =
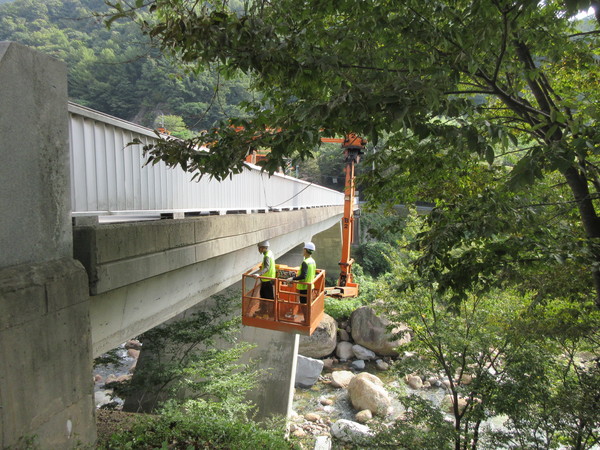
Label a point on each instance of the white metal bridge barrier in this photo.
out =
(108, 178)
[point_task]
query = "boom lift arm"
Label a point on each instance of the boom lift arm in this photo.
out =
(353, 146)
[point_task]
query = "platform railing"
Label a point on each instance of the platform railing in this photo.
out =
(109, 178)
(290, 310)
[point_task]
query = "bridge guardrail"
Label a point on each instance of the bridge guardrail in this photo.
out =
(109, 178)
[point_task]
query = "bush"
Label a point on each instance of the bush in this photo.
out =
(341, 308)
(199, 424)
(372, 256)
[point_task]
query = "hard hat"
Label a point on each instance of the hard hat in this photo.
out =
(264, 244)
(309, 246)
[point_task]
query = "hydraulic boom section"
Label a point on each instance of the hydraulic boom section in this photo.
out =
(353, 147)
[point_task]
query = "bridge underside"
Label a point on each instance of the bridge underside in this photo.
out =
(142, 274)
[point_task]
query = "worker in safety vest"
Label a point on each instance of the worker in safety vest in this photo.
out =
(267, 270)
(307, 273)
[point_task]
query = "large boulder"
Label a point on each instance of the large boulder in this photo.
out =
(366, 391)
(370, 331)
(322, 342)
(308, 371)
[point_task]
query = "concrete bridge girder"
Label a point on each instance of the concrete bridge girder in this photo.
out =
(146, 273)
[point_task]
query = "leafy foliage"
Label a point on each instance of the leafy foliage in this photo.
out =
(466, 104)
(118, 71)
(185, 363)
(198, 424)
(502, 353)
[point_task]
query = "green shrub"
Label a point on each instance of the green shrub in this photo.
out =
(197, 424)
(373, 258)
(341, 308)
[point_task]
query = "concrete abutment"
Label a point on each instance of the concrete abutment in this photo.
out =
(46, 389)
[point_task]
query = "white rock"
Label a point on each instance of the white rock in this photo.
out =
(323, 443)
(307, 371)
(358, 364)
(349, 431)
(363, 353)
(341, 378)
(382, 365)
(344, 351)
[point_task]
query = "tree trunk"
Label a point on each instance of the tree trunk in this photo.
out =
(578, 184)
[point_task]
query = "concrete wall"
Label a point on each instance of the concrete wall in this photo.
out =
(46, 389)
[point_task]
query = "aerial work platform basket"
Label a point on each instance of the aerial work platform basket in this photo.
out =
(285, 312)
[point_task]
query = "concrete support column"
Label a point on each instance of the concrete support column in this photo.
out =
(46, 389)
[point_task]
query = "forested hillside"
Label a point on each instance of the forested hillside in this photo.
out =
(116, 70)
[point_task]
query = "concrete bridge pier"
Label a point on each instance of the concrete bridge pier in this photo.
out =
(46, 389)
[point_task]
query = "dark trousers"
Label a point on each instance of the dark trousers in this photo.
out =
(302, 293)
(266, 289)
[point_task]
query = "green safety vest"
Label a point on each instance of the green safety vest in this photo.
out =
(272, 270)
(311, 271)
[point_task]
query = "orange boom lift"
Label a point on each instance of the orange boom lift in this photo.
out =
(353, 147)
(286, 312)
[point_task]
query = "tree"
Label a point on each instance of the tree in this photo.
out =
(440, 88)
(500, 353)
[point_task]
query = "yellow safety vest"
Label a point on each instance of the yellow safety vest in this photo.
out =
(311, 271)
(272, 269)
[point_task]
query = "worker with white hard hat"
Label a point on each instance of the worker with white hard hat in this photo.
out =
(267, 270)
(308, 271)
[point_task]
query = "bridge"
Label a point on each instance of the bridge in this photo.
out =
(88, 260)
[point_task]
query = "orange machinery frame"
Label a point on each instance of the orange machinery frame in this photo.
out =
(285, 312)
(353, 146)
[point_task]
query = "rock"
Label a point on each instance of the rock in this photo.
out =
(358, 364)
(344, 351)
(370, 331)
(363, 353)
(448, 402)
(446, 384)
(110, 379)
(307, 371)
(349, 431)
(322, 342)
(299, 432)
(312, 417)
(102, 398)
(414, 381)
(343, 335)
(363, 416)
(465, 379)
(328, 363)
(98, 378)
(135, 354)
(133, 343)
(382, 365)
(325, 401)
(323, 443)
(123, 378)
(366, 391)
(341, 378)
